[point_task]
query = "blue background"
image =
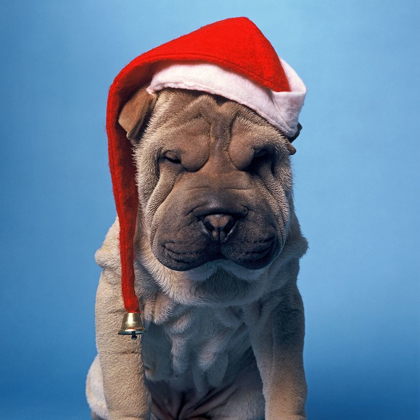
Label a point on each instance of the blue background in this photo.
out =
(356, 175)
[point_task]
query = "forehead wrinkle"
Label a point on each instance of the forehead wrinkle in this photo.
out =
(221, 121)
(162, 125)
(262, 131)
(173, 110)
(220, 117)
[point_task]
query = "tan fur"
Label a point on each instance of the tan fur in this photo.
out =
(224, 341)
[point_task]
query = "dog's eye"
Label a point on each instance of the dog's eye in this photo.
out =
(260, 153)
(262, 157)
(172, 157)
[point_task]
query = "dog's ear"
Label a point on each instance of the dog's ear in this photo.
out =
(135, 114)
(290, 147)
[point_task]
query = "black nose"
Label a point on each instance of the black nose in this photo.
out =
(219, 225)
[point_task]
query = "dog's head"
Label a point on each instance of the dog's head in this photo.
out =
(214, 179)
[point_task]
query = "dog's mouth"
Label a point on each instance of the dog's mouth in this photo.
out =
(205, 271)
(252, 255)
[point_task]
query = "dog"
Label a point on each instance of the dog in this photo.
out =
(217, 251)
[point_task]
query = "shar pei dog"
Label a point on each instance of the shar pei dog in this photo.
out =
(217, 248)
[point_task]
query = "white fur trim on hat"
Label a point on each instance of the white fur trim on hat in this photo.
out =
(280, 109)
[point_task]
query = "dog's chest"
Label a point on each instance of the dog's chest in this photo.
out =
(191, 346)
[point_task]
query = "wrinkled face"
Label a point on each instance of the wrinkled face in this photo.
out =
(214, 183)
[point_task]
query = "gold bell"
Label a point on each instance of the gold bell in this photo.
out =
(132, 325)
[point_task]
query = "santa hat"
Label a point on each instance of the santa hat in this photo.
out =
(231, 58)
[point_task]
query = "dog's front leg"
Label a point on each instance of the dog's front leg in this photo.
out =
(126, 395)
(277, 340)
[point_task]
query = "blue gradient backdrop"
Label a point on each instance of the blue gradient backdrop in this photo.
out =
(356, 175)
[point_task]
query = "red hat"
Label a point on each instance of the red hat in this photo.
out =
(231, 58)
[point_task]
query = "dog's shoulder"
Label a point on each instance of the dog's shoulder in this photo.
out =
(108, 255)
